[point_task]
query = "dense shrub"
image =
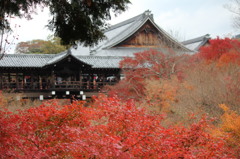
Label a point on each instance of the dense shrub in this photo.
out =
(131, 124)
(107, 129)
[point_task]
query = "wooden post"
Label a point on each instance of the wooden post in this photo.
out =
(31, 86)
(40, 82)
(17, 82)
(9, 80)
(1, 80)
(118, 76)
(80, 79)
(52, 79)
(92, 81)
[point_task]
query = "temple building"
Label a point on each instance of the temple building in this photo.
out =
(82, 72)
(196, 43)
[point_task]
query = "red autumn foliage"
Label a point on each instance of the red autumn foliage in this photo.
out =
(229, 58)
(228, 49)
(150, 64)
(107, 129)
(111, 128)
(225, 54)
(40, 132)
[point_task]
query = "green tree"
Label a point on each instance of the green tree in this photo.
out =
(72, 20)
(9, 9)
(51, 46)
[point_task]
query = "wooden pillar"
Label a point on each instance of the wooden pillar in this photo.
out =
(31, 84)
(118, 75)
(1, 80)
(24, 81)
(40, 82)
(80, 79)
(92, 81)
(8, 81)
(17, 82)
(21, 81)
(52, 79)
(105, 78)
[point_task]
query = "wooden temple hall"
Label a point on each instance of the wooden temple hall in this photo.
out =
(57, 76)
(82, 72)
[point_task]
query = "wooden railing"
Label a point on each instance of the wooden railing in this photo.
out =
(63, 85)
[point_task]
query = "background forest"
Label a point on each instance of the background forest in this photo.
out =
(168, 106)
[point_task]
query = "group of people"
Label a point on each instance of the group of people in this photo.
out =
(97, 82)
(85, 82)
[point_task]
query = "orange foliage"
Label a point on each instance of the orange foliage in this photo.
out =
(109, 128)
(159, 94)
(230, 126)
(230, 58)
(150, 64)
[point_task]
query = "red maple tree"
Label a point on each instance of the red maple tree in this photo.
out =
(221, 48)
(109, 128)
(150, 64)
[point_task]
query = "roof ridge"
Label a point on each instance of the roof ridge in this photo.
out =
(29, 55)
(141, 17)
(144, 19)
(125, 22)
(96, 56)
(147, 17)
(170, 37)
(197, 39)
(59, 57)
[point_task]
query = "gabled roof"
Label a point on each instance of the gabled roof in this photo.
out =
(42, 60)
(58, 57)
(121, 31)
(25, 60)
(130, 29)
(108, 53)
(196, 43)
(101, 61)
(61, 56)
(93, 61)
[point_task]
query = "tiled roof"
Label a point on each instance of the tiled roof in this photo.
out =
(101, 61)
(125, 52)
(22, 60)
(121, 31)
(196, 43)
(104, 55)
(129, 21)
(39, 60)
(58, 57)
(127, 32)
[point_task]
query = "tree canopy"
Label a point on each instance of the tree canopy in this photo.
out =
(72, 20)
(50, 46)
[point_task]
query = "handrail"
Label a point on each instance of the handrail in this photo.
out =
(93, 85)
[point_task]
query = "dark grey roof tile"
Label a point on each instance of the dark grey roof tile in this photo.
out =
(196, 43)
(21, 60)
(101, 61)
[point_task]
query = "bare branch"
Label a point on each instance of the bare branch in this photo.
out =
(234, 7)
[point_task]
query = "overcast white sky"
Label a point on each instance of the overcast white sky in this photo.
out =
(185, 18)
